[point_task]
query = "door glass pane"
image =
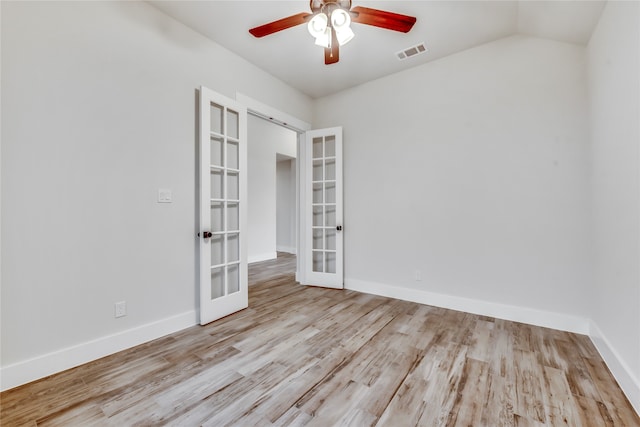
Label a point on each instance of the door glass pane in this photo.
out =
(219, 256)
(233, 277)
(330, 262)
(216, 118)
(233, 186)
(216, 152)
(232, 155)
(317, 147)
(318, 238)
(317, 170)
(330, 146)
(217, 282)
(317, 193)
(233, 217)
(330, 170)
(318, 261)
(324, 174)
(233, 247)
(330, 192)
(330, 215)
(217, 217)
(318, 217)
(216, 184)
(330, 241)
(232, 124)
(217, 250)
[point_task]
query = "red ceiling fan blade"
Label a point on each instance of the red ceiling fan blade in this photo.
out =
(383, 19)
(332, 54)
(280, 24)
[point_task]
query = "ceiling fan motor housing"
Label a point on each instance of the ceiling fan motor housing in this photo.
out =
(318, 5)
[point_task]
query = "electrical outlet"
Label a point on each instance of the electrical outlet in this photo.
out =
(418, 275)
(121, 309)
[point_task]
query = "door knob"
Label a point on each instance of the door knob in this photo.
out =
(339, 228)
(206, 234)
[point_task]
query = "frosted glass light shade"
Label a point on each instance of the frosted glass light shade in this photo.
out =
(344, 35)
(341, 21)
(324, 40)
(317, 26)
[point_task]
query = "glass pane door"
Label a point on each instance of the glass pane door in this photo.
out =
(324, 162)
(224, 200)
(223, 275)
(324, 204)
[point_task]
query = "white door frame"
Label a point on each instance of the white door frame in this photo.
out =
(257, 108)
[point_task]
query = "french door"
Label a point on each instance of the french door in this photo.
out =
(323, 207)
(223, 210)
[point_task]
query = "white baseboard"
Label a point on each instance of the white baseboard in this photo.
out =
(563, 322)
(287, 249)
(39, 367)
(629, 383)
(262, 257)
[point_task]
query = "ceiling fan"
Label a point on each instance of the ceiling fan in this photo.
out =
(330, 22)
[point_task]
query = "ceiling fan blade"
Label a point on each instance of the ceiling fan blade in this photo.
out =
(279, 25)
(383, 19)
(332, 54)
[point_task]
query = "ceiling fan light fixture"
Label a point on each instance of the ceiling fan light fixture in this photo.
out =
(344, 36)
(318, 25)
(341, 21)
(324, 39)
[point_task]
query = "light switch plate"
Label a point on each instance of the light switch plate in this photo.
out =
(164, 195)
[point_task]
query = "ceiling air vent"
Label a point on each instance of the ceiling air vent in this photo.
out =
(412, 51)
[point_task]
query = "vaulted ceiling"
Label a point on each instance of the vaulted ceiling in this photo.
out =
(445, 27)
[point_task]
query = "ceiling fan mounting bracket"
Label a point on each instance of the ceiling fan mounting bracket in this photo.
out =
(318, 5)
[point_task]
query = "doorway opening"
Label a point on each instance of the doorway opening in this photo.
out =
(318, 225)
(286, 232)
(271, 153)
(279, 120)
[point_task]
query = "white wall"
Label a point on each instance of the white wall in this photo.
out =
(98, 112)
(265, 141)
(472, 170)
(286, 206)
(614, 87)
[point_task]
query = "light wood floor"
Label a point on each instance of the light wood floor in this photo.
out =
(318, 357)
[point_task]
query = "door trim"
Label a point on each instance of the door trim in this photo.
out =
(264, 111)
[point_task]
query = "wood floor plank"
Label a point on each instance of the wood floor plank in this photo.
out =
(16, 406)
(498, 410)
(83, 414)
(305, 356)
(561, 407)
(472, 389)
(172, 378)
(613, 399)
(294, 417)
(593, 413)
(529, 386)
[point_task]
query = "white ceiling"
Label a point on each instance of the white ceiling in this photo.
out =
(446, 27)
